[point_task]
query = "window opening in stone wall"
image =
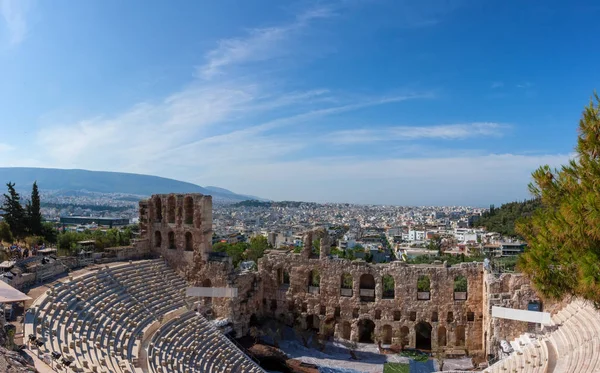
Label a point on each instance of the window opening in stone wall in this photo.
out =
(423, 336)
(171, 206)
(397, 315)
(450, 317)
(460, 335)
(470, 316)
(188, 209)
(413, 316)
(377, 314)
(441, 336)
(434, 316)
(157, 239)
(158, 209)
(347, 283)
(189, 242)
(386, 334)
(172, 241)
(388, 287)
(460, 288)
(423, 288)
(367, 288)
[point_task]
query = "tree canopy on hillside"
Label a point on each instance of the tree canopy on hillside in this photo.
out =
(563, 236)
(503, 219)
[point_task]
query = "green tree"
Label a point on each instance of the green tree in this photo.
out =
(563, 235)
(258, 246)
(435, 243)
(5, 232)
(34, 215)
(14, 213)
(49, 233)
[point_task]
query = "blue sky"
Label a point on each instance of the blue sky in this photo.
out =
(384, 101)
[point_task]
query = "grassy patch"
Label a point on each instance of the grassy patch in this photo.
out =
(396, 368)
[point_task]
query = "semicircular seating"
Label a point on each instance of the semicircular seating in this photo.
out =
(96, 323)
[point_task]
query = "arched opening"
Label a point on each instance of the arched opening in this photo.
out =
(423, 336)
(441, 336)
(388, 287)
(460, 288)
(208, 300)
(346, 285)
(253, 321)
(460, 335)
(172, 241)
(346, 330)
(158, 209)
(404, 336)
(171, 206)
(157, 239)
(314, 281)
(188, 210)
(423, 288)
(366, 329)
(189, 242)
(386, 334)
(312, 322)
(367, 288)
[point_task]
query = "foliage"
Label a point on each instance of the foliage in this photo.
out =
(415, 355)
(423, 283)
(109, 238)
(396, 368)
(258, 245)
(347, 281)
(49, 232)
(234, 251)
(5, 233)
(34, 215)
(435, 244)
(451, 259)
(388, 286)
(460, 284)
(315, 278)
(503, 219)
(563, 236)
(14, 213)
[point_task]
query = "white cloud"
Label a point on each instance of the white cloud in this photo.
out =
(259, 44)
(525, 85)
(448, 132)
(13, 13)
(497, 85)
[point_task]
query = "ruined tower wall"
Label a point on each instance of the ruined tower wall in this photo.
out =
(178, 227)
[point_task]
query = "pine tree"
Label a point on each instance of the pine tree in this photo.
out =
(563, 235)
(34, 214)
(14, 214)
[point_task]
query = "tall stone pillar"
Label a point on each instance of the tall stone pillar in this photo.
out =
(325, 247)
(307, 249)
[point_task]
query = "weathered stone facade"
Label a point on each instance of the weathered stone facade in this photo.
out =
(455, 324)
(178, 227)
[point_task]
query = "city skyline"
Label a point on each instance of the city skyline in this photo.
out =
(383, 102)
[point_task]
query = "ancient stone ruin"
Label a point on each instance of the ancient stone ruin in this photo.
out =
(431, 307)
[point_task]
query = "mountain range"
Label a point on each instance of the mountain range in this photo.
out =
(108, 182)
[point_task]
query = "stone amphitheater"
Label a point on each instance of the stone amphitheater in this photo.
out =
(134, 316)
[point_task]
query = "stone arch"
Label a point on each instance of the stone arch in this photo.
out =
(189, 241)
(158, 209)
(388, 285)
(386, 334)
(367, 288)
(441, 336)
(171, 209)
(459, 335)
(188, 210)
(423, 336)
(157, 239)
(314, 278)
(404, 333)
(346, 330)
(171, 237)
(366, 329)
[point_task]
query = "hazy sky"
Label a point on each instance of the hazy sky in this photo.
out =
(403, 102)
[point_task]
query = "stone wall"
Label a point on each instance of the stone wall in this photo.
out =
(178, 227)
(511, 290)
(326, 308)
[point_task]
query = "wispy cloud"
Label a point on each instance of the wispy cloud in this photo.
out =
(497, 85)
(525, 85)
(259, 44)
(5, 148)
(13, 13)
(447, 132)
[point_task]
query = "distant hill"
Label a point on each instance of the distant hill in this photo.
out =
(502, 220)
(106, 182)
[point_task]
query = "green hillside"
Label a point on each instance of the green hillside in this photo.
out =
(502, 220)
